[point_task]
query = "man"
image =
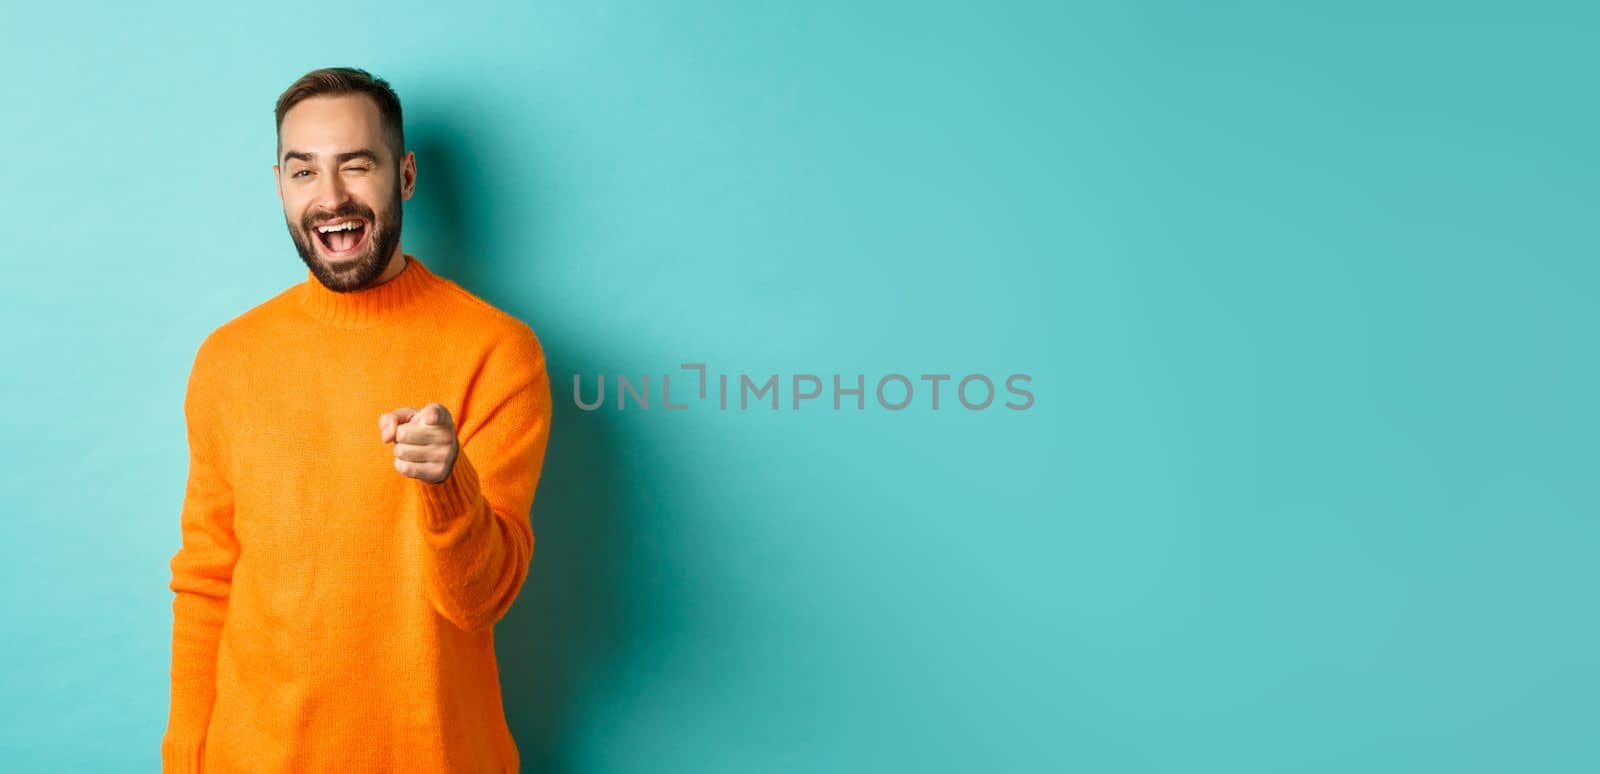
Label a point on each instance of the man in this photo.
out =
(363, 453)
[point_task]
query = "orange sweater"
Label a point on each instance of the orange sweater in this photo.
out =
(332, 614)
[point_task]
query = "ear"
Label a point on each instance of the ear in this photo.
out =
(408, 175)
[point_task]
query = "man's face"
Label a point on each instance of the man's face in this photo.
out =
(335, 169)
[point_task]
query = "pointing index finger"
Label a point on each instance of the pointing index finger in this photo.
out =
(390, 421)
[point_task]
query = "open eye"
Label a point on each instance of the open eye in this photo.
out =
(300, 172)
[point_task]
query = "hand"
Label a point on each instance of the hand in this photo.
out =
(425, 444)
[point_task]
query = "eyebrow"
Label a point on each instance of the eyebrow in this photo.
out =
(362, 153)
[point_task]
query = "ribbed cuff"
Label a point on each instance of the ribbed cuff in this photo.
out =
(182, 756)
(448, 506)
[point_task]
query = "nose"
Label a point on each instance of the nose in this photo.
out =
(332, 193)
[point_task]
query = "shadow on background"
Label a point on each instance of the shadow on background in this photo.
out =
(570, 626)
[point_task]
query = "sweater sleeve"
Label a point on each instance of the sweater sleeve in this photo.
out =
(475, 523)
(202, 573)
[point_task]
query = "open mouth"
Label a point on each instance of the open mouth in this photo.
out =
(341, 239)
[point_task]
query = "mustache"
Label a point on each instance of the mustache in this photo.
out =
(349, 210)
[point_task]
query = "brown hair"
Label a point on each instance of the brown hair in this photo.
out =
(335, 81)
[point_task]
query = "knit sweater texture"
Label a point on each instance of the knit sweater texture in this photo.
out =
(330, 613)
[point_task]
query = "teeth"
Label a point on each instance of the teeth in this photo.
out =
(345, 226)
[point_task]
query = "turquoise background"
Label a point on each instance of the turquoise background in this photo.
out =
(1307, 295)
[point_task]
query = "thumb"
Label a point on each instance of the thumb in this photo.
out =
(434, 414)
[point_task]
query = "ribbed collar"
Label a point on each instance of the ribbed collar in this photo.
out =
(369, 306)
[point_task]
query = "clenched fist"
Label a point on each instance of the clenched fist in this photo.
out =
(425, 445)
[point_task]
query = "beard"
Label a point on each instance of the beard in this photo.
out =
(362, 269)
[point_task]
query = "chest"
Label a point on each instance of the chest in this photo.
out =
(307, 460)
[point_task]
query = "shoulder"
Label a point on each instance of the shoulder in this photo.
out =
(500, 334)
(237, 337)
(501, 352)
(237, 345)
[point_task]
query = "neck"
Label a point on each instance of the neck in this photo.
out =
(397, 264)
(392, 298)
